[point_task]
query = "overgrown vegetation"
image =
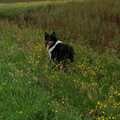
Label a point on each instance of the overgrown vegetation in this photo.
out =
(97, 21)
(32, 89)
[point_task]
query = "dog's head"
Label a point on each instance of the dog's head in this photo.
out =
(50, 39)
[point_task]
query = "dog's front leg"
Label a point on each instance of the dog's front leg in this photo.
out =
(61, 67)
(52, 61)
(52, 58)
(71, 65)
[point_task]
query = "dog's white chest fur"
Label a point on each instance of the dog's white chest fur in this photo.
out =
(51, 49)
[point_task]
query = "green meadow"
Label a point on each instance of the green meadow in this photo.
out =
(31, 88)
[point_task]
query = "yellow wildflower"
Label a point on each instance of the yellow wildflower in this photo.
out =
(20, 112)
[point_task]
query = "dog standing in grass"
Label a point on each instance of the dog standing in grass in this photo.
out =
(59, 51)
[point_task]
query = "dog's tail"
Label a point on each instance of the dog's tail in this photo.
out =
(72, 54)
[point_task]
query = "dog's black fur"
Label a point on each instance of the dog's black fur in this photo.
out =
(61, 52)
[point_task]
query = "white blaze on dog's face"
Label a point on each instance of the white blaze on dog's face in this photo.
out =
(49, 43)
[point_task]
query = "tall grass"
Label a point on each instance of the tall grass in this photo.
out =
(32, 89)
(98, 22)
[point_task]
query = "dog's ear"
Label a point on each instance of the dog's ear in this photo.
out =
(46, 34)
(53, 34)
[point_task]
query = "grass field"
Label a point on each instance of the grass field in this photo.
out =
(32, 89)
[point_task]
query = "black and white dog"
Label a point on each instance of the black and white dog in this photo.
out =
(57, 50)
